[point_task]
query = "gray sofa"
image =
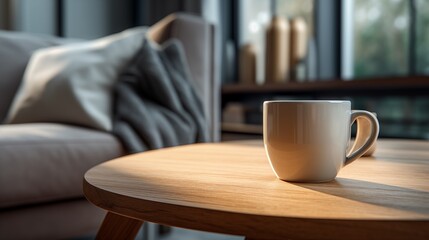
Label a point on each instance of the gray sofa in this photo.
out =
(42, 164)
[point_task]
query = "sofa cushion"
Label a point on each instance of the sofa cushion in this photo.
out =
(78, 77)
(60, 220)
(43, 162)
(15, 51)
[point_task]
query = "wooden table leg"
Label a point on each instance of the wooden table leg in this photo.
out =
(118, 227)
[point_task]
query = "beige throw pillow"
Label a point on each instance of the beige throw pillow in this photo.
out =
(73, 83)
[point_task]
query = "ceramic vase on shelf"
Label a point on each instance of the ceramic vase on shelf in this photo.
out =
(298, 48)
(277, 51)
(247, 64)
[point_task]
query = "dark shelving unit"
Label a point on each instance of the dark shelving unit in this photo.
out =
(377, 88)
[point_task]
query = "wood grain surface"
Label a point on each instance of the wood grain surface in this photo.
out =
(230, 188)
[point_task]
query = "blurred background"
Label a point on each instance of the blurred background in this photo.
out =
(382, 41)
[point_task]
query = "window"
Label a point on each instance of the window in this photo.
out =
(422, 37)
(379, 40)
(381, 36)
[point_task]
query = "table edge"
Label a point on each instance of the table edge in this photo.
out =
(275, 227)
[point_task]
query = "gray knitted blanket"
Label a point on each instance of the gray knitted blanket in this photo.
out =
(156, 105)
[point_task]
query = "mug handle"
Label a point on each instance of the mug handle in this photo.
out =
(358, 116)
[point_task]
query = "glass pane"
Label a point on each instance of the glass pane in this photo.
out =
(381, 36)
(255, 16)
(295, 8)
(422, 38)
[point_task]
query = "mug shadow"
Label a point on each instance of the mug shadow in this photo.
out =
(390, 196)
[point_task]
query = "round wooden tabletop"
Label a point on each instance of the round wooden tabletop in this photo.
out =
(230, 188)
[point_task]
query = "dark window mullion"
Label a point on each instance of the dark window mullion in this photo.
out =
(328, 38)
(60, 18)
(412, 38)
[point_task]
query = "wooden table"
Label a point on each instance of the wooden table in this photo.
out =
(230, 188)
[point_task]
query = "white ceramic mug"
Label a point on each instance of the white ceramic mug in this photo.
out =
(306, 141)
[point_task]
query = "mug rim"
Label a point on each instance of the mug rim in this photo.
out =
(306, 101)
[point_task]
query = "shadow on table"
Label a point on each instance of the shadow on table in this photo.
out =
(374, 193)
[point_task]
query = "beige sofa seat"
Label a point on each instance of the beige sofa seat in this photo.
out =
(42, 162)
(53, 220)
